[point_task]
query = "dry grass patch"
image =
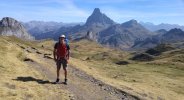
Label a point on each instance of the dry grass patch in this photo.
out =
(12, 67)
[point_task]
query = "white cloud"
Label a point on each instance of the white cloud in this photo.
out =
(65, 10)
(69, 11)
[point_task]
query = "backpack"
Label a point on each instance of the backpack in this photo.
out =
(67, 42)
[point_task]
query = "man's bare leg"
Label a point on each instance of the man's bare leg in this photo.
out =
(65, 73)
(58, 69)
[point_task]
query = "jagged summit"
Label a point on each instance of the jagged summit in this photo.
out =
(8, 21)
(98, 18)
(10, 26)
(96, 11)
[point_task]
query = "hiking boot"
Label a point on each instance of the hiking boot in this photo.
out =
(57, 80)
(65, 82)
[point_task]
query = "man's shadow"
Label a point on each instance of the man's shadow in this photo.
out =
(29, 78)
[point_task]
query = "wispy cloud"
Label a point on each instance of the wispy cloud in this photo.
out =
(45, 10)
(79, 10)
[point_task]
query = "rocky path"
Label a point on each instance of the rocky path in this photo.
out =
(81, 85)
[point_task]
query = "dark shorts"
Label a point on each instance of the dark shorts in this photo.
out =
(63, 62)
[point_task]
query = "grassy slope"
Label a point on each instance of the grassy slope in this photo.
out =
(12, 67)
(162, 78)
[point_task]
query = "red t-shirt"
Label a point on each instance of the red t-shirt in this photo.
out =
(61, 50)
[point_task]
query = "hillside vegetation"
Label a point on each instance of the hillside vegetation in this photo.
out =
(160, 78)
(18, 79)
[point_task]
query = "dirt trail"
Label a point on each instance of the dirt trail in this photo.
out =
(81, 85)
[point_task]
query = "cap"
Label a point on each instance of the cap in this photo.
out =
(62, 36)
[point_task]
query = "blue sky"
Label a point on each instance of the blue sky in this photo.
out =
(155, 11)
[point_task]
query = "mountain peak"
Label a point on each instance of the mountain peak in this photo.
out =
(98, 18)
(10, 26)
(7, 18)
(96, 10)
(131, 23)
(8, 21)
(176, 30)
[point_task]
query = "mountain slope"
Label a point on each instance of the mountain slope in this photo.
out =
(124, 35)
(10, 26)
(172, 36)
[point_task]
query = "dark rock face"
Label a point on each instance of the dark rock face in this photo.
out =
(91, 36)
(10, 26)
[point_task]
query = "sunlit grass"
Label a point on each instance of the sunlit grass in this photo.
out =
(161, 78)
(12, 66)
(150, 80)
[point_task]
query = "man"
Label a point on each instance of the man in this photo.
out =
(61, 56)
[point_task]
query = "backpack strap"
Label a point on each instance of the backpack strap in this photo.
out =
(56, 45)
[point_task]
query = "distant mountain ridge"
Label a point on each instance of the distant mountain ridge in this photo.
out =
(42, 30)
(173, 36)
(100, 28)
(10, 26)
(153, 27)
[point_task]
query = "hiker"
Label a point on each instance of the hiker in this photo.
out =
(61, 56)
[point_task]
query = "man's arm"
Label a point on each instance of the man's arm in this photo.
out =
(54, 53)
(68, 55)
(68, 52)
